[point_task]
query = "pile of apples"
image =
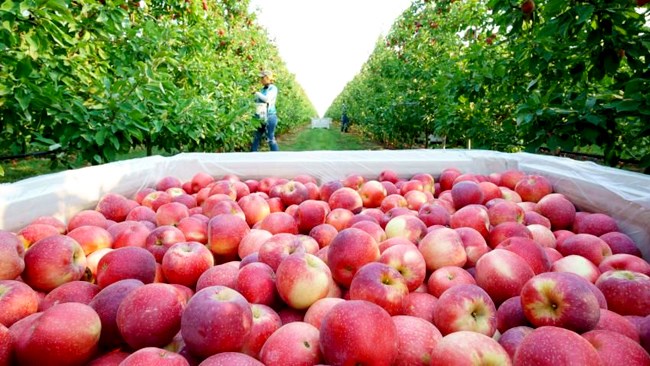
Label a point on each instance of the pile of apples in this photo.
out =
(457, 269)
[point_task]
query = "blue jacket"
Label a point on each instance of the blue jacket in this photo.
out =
(268, 95)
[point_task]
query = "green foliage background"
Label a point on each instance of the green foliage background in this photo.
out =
(570, 76)
(94, 79)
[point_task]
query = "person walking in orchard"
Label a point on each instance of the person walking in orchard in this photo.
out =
(266, 112)
(345, 122)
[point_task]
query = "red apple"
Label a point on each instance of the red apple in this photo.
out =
(625, 262)
(17, 301)
(225, 232)
(221, 204)
(52, 221)
(549, 345)
(358, 332)
(115, 206)
(466, 193)
(257, 283)
(91, 238)
(150, 315)
(447, 178)
(380, 284)
(627, 292)
(372, 193)
(392, 201)
(278, 222)
(265, 322)
(216, 319)
(278, 247)
(311, 213)
(507, 230)
(295, 343)
(542, 235)
(533, 253)
(468, 348)
(350, 250)
(12, 252)
(302, 279)
(433, 214)
(512, 338)
(66, 333)
(502, 274)
(420, 304)
(129, 234)
(558, 209)
(231, 358)
(388, 175)
(614, 322)
(560, 299)
(511, 177)
(589, 246)
(32, 233)
(329, 187)
(293, 193)
(315, 313)
(503, 211)
(596, 224)
(252, 242)
(185, 262)
(87, 217)
(533, 187)
(171, 213)
(106, 303)
(154, 356)
(53, 261)
(224, 274)
(406, 226)
(124, 263)
(490, 191)
(442, 247)
(75, 291)
(417, 339)
(617, 349)
(474, 243)
(194, 229)
(353, 181)
(408, 261)
(339, 218)
(446, 277)
(323, 234)
(347, 198)
(465, 307)
(510, 314)
(474, 216)
(577, 264)
(161, 239)
(621, 243)
(110, 358)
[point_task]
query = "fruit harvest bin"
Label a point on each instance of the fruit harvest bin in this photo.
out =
(622, 194)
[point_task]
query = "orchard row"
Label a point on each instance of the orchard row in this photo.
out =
(95, 79)
(509, 76)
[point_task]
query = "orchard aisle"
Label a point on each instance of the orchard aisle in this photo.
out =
(306, 139)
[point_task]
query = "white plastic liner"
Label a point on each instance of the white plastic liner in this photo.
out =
(622, 194)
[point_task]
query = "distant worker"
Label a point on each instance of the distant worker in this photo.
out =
(265, 111)
(345, 122)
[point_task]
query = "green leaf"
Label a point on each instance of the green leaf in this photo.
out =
(584, 12)
(626, 105)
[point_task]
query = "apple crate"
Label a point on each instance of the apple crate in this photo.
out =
(621, 194)
(202, 316)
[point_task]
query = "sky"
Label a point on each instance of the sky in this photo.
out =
(325, 42)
